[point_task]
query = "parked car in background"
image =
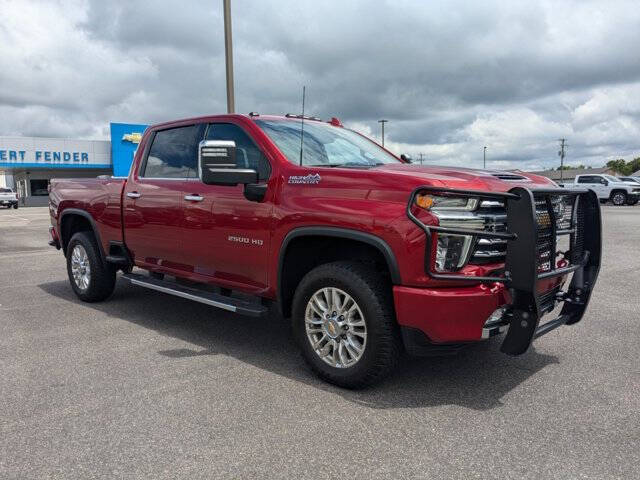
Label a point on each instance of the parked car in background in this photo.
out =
(608, 187)
(8, 198)
(630, 179)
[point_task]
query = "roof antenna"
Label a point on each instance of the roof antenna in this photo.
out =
(302, 128)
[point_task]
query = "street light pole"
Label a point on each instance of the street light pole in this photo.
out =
(228, 54)
(484, 158)
(382, 122)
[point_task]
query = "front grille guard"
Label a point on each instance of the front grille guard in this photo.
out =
(523, 269)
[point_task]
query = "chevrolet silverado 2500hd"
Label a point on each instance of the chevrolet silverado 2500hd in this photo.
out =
(607, 187)
(367, 254)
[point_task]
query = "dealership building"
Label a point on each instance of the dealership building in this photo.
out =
(28, 163)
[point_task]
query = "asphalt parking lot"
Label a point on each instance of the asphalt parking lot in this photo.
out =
(149, 385)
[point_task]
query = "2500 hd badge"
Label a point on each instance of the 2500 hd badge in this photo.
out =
(247, 240)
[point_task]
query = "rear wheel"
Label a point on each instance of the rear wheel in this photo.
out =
(92, 279)
(344, 323)
(618, 198)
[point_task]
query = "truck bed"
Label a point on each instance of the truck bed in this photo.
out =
(99, 197)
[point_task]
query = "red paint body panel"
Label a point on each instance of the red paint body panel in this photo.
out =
(448, 315)
(166, 233)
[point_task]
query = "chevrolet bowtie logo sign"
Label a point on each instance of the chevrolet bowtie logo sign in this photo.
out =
(132, 137)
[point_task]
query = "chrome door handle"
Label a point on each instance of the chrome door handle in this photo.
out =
(133, 195)
(194, 198)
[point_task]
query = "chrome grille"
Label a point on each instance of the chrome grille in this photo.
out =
(491, 250)
(495, 220)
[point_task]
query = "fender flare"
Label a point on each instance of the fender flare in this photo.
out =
(338, 232)
(92, 222)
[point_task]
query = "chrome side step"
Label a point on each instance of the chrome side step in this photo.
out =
(209, 298)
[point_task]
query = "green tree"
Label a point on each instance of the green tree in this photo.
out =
(619, 166)
(634, 165)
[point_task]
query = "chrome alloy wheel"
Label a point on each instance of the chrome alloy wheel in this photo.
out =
(336, 327)
(80, 267)
(618, 199)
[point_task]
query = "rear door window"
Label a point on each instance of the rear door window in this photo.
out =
(587, 179)
(174, 153)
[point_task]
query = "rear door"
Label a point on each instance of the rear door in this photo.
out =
(227, 237)
(592, 182)
(153, 197)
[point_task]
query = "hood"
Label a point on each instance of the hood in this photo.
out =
(467, 178)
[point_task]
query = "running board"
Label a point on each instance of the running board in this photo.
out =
(209, 298)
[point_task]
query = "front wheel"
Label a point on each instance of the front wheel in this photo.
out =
(92, 279)
(633, 201)
(15, 206)
(344, 323)
(618, 198)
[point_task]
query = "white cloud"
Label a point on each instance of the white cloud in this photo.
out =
(450, 76)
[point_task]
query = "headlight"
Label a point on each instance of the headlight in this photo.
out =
(437, 202)
(452, 251)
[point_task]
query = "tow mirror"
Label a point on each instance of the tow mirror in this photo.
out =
(217, 164)
(406, 158)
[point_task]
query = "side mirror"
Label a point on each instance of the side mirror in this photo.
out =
(605, 182)
(217, 164)
(406, 158)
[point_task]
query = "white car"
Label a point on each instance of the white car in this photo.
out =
(8, 198)
(630, 179)
(607, 187)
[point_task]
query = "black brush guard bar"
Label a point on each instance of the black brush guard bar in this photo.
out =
(521, 274)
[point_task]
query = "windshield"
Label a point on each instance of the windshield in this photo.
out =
(324, 145)
(611, 178)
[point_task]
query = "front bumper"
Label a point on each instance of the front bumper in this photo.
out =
(9, 202)
(530, 285)
(448, 315)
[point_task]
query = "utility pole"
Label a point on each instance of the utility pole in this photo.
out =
(484, 158)
(421, 155)
(563, 145)
(382, 122)
(228, 55)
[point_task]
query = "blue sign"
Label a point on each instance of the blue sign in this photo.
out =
(125, 138)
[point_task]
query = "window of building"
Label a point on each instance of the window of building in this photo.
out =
(39, 188)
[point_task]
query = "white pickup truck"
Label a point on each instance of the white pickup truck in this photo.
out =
(8, 198)
(607, 187)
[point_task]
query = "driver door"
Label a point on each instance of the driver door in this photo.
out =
(227, 237)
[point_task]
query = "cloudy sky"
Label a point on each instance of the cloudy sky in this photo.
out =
(449, 76)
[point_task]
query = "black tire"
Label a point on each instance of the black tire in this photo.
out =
(633, 202)
(373, 295)
(102, 279)
(618, 198)
(15, 206)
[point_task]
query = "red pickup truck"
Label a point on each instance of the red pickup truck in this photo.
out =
(368, 254)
